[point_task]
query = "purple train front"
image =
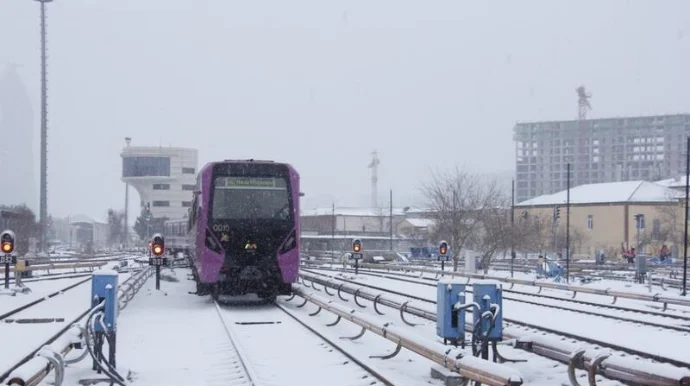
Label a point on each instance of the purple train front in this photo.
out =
(245, 224)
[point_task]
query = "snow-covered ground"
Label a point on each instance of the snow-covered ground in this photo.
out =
(170, 337)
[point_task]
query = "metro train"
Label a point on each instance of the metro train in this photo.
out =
(244, 229)
(177, 238)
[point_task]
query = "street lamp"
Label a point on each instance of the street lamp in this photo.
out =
(128, 141)
(639, 218)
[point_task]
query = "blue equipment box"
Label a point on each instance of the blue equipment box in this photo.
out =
(484, 296)
(104, 286)
(450, 324)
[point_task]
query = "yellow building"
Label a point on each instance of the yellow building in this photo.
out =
(605, 217)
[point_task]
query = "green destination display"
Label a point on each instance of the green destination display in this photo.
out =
(249, 182)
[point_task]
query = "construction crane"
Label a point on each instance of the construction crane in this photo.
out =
(374, 165)
(583, 103)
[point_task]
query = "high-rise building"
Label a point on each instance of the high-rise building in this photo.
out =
(16, 135)
(164, 177)
(599, 150)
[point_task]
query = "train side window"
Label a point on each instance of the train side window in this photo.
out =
(193, 212)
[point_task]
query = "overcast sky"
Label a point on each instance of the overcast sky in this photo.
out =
(320, 84)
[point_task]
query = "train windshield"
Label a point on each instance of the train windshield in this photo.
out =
(242, 198)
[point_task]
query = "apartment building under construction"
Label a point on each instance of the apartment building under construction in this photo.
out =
(599, 150)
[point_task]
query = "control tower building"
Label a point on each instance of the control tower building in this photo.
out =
(164, 177)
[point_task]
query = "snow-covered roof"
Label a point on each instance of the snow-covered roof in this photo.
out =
(420, 222)
(676, 182)
(610, 192)
(420, 210)
(357, 212)
(82, 219)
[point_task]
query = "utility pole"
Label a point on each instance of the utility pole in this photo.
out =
(512, 227)
(128, 141)
(374, 166)
(391, 219)
(685, 238)
(567, 229)
(43, 213)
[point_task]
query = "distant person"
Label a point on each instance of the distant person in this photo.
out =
(664, 253)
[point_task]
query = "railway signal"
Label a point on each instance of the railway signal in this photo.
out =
(356, 245)
(7, 241)
(157, 245)
(357, 253)
(443, 253)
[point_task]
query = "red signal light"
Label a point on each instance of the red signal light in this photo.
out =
(7, 247)
(443, 248)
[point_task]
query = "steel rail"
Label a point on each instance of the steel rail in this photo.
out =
(48, 267)
(543, 284)
(378, 273)
(42, 299)
(340, 349)
(534, 303)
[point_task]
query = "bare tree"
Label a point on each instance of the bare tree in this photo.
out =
(116, 220)
(577, 239)
(493, 235)
(459, 202)
(384, 219)
(533, 233)
(419, 237)
(670, 228)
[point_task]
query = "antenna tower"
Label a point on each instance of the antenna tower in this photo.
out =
(374, 166)
(582, 103)
(43, 212)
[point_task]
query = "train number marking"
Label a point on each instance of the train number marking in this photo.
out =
(221, 227)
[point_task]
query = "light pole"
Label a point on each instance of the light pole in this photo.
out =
(128, 141)
(43, 213)
(638, 219)
(684, 292)
(567, 228)
(512, 228)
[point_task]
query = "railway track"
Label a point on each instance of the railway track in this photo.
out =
(42, 299)
(259, 336)
(510, 321)
(683, 320)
